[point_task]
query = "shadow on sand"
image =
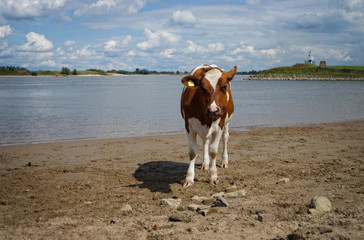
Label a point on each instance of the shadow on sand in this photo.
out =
(157, 176)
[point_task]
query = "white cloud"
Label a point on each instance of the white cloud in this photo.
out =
(269, 52)
(183, 17)
(49, 63)
(194, 48)
(158, 39)
(110, 46)
(168, 53)
(28, 9)
(216, 47)
(36, 43)
(244, 48)
(110, 6)
(69, 43)
(339, 55)
(5, 31)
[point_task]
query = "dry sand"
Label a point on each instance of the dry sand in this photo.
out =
(75, 190)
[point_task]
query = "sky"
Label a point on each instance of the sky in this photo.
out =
(179, 35)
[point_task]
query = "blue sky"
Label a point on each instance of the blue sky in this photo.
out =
(179, 35)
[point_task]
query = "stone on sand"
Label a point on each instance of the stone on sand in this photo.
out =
(230, 189)
(171, 202)
(126, 208)
(283, 180)
(240, 193)
(220, 202)
(321, 204)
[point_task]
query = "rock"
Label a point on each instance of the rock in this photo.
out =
(193, 207)
(283, 180)
(220, 202)
(208, 201)
(321, 204)
(198, 199)
(181, 208)
(220, 194)
(314, 211)
(170, 202)
(264, 217)
(126, 208)
(196, 207)
(240, 193)
(180, 218)
(208, 211)
(231, 189)
(295, 236)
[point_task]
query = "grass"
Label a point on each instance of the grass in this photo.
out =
(309, 69)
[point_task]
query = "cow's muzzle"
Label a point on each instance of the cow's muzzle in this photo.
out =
(213, 111)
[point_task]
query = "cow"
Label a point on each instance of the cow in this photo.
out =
(207, 107)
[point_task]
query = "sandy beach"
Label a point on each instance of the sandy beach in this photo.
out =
(78, 189)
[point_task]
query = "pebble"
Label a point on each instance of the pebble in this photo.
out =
(321, 204)
(174, 203)
(220, 202)
(208, 211)
(126, 208)
(231, 189)
(283, 180)
(196, 207)
(264, 217)
(180, 218)
(240, 193)
(199, 199)
(208, 201)
(220, 194)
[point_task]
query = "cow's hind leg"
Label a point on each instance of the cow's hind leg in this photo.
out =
(225, 139)
(213, 154)
(193, 154)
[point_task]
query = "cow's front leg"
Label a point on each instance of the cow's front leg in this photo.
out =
(193, 154)
(213, 154)
(206, 157)
(225, 139)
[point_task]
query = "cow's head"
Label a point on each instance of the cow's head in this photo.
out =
(213, 85)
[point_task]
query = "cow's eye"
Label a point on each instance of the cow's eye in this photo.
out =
(223, 88)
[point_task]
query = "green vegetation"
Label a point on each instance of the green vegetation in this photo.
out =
(65, 71)
(313, 70)
(10, 70)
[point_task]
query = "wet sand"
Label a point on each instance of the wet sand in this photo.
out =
(76, 190)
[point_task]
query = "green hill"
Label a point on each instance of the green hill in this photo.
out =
(311, 72)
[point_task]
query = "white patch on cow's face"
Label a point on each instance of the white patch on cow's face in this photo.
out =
(213, 77)
(228, 96)
(213, 106)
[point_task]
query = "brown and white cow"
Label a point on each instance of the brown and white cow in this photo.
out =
(207, 107)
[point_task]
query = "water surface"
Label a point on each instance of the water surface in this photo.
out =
(43, 109)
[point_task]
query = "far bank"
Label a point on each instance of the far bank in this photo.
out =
(312, 73)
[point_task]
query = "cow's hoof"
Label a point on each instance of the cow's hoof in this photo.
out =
(214, 181)
(187, 184)
(205, 167)
(224, 165)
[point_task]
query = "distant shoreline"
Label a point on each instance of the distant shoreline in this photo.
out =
(81, 75)
(298, 77)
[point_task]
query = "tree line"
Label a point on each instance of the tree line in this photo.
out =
(11, 70)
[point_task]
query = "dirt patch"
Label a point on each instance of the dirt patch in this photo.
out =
(77, 189)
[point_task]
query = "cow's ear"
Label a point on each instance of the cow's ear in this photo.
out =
(232, 73)
(190, 81)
